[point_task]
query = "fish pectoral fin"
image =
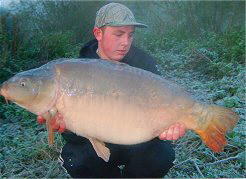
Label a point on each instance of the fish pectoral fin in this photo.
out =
(48, 117)
(100, 148)
(51, 137)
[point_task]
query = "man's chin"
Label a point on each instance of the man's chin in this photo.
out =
(118, 57)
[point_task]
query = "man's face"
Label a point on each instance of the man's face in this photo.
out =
(115, 42)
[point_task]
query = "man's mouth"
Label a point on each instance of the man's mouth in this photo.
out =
(121, 51)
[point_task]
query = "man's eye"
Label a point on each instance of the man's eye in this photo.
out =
(118, 35)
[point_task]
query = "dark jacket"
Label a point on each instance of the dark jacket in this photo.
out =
(135, 57)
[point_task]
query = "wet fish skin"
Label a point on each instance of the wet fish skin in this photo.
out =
(113, 102)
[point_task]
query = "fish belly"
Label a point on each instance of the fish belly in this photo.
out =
(108, 119)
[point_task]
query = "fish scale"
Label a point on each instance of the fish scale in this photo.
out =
(108, 101)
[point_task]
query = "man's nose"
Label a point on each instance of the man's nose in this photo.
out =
(125, 40)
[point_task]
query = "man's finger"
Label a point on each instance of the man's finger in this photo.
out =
(55, 126)
(176, 132)
(41, 120)
(163, 135)
(182, 130)
(62, 127)
(170, 133)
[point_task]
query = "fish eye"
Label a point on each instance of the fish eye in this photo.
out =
(23, 84)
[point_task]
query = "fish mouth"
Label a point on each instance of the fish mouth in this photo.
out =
(3, 92)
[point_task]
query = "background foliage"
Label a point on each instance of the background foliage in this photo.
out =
(198, 44)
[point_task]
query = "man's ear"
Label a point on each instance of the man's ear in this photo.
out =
(97, 33)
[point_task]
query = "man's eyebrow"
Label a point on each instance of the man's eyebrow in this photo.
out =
(121, 31)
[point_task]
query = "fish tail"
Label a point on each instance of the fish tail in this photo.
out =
(212, 125)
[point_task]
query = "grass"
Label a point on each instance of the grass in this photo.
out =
(24, 151)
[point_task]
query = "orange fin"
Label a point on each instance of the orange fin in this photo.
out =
(100, 148)
(51, 137)
(213, 126)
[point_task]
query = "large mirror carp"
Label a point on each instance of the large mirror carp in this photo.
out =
(107, 101)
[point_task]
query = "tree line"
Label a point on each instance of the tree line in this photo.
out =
(33, 26)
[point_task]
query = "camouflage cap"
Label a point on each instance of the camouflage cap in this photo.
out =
(115, 14)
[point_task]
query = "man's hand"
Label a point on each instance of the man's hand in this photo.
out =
(174, 132)
(57, 122)
(41, 120)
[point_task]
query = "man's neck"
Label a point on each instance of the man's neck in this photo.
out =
(101, 55)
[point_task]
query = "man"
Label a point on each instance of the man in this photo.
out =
(114, 31)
